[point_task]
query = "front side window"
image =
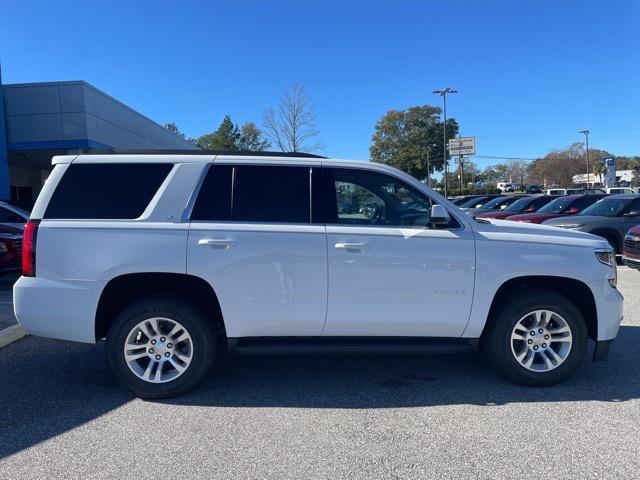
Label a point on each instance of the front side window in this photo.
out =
(372, 198)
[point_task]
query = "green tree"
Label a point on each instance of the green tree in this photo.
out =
(251, 139)
(226, 137)
(404, 138)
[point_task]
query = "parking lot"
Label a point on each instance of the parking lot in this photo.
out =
(62, 415)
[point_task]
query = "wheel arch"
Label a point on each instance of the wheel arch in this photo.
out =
(123, 289)
(610, 234)
(576, 291)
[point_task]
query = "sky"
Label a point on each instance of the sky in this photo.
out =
(530, 74)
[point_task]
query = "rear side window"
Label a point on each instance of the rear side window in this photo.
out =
(255, 193)
(271, 194)
(106, 190)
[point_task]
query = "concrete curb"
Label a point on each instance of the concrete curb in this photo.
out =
(11, 334)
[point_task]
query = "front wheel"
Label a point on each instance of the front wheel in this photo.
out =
(537, 338)
(160, 347)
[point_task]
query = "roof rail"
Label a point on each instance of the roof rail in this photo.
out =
(241, 153)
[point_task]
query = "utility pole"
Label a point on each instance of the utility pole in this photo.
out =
(429, 164)
(586, 136)
(443, 93)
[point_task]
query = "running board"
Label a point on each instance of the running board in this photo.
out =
(328, 345)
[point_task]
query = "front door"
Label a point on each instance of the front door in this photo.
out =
(390, 273)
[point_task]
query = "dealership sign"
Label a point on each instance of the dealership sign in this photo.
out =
(610, 179)
(462, 146)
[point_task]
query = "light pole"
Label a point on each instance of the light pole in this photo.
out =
(443, 93)
(586, 136)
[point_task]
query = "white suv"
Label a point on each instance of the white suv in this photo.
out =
(171, 257)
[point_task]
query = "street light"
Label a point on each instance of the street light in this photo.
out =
(586, 136)
(443, 93)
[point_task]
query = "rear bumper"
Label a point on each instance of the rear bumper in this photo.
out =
(57, 309)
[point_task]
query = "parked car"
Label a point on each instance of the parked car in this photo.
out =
(631, 248)
(524, 204)
(561, 206)
(610, 218)
(532, 189)
(12, 216)
(506, 187)
(619, 190)
(584, 191)
(10, 248)
(557, 191)
(202, 251)
(496, 204)
(478, 201)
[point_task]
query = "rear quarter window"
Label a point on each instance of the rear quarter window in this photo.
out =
(106, 191)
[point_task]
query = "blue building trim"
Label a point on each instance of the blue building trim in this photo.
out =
(55, 145)
(4, 154)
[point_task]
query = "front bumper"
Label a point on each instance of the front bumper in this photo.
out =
(631, 262)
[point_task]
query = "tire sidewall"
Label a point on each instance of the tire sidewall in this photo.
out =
(202, 337)
(511, 315)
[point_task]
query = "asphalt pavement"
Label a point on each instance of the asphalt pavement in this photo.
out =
(352, 416)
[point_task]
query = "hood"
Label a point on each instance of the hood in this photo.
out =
(635, 230)
(500, 214)
(507, 230)
(534, 217)
(577, 219)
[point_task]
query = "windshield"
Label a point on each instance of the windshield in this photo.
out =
(473, 202)
(607, 207)
(519, 205)
(500, 202)
(559, 205)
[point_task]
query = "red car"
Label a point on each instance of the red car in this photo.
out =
(523, 205)
(631, 250)
(10, 248)
(561, 206)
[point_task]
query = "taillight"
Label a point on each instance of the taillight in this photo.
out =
(29, 248)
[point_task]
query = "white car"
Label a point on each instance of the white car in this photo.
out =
(172, 257)
(620, 190)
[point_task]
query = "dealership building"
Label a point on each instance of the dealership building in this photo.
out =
(40, 120)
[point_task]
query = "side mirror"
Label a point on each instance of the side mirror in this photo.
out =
(439, 215)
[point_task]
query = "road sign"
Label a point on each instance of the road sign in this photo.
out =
(462, 146)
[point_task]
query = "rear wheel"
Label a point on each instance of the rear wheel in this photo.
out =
(159, 347)
(537, 338)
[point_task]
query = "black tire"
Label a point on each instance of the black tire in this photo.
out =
(193, 320)
(496, 340)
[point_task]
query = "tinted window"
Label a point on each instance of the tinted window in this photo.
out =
(371, 198)
(607, 207)
(559, 205)
(583, 202)
(271, 194)
(474, 202)
(214, 198)
(537, 203)
(114, 191)
(500, 202)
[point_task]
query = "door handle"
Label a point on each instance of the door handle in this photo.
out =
(217, 242)
(352, 246)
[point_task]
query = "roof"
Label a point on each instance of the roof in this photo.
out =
(235, 153)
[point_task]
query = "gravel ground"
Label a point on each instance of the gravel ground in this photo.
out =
(357, 416)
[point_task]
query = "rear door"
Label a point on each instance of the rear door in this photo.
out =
(390, 273)
(252, 238)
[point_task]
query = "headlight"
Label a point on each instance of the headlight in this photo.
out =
(608, 257)
(570, 225)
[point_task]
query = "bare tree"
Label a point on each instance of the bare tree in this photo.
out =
(291, 127)
(518, 168)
